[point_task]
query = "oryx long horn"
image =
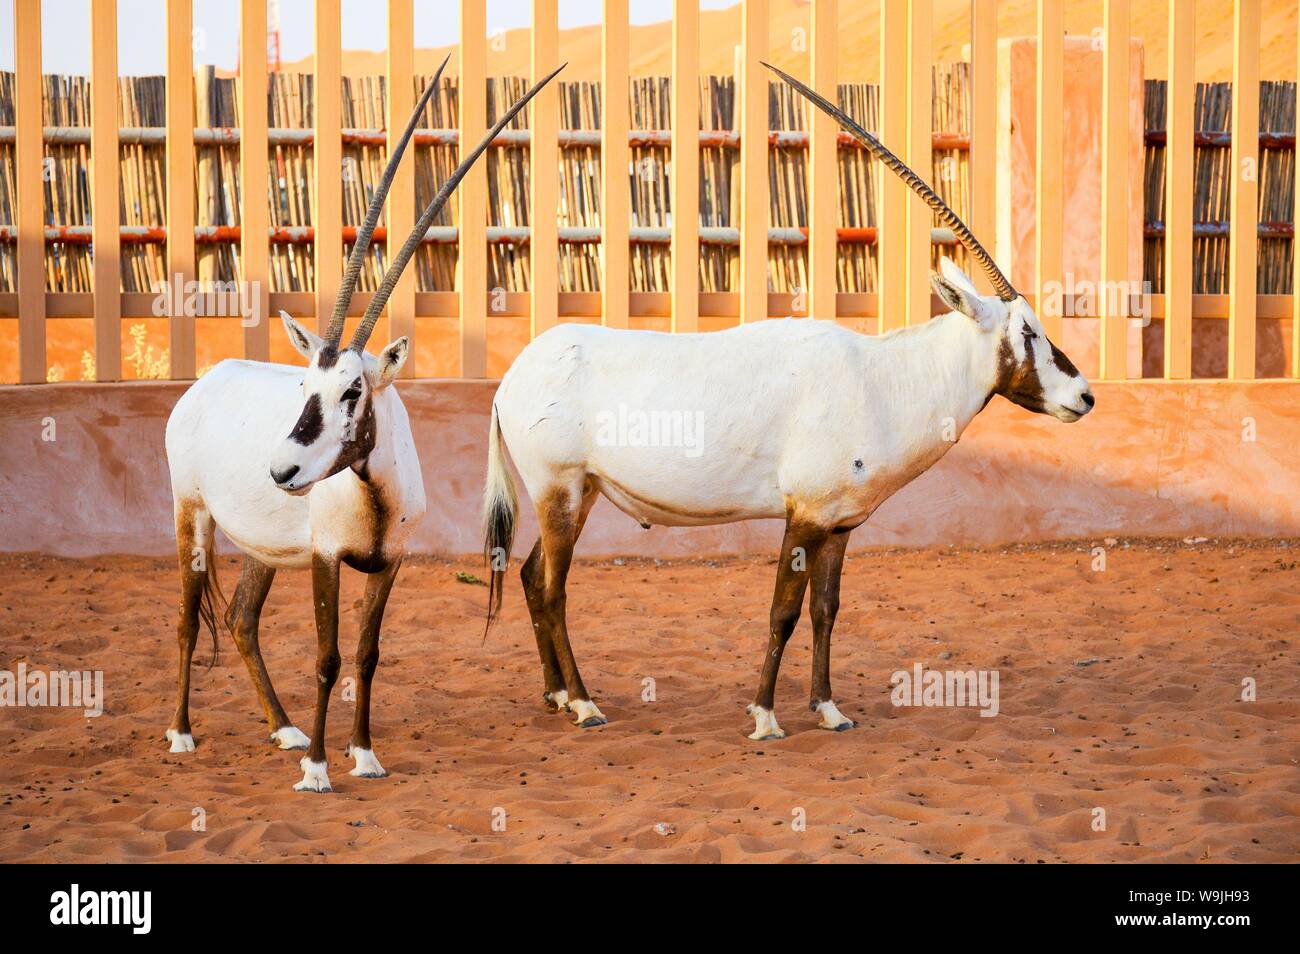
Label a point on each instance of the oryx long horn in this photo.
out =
(398, 263)
(358, 256)
(918, 185)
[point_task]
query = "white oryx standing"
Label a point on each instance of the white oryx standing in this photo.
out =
(795, 419)
(233, 466)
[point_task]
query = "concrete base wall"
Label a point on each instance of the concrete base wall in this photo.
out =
(1155, 458)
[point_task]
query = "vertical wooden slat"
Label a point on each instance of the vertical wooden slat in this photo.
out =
(920, 156)
(1180, 100)
(1049, 148)
(180, 184)
(984, 129)
(327, 159)
(254, 179)
(823, 163)
(1295, 247)
(471, 262)
(543, 170)
(1114, 190)
(685, 181)
(401, 194)
(107, 266)
(754, 198)
(1245, 190)
(615, 212)
(29, 155)
(891, 271)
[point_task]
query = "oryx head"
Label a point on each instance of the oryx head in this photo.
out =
(336, 428)
(1031, 371)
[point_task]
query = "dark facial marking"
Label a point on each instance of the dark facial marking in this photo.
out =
(327, 357)
(1018, 382)
(310, 424)
(1062, 362)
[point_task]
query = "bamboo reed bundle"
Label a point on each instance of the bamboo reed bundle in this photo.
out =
(1211, 202)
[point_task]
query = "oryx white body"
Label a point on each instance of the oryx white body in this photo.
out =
(221, 438)
(800, 420)
(784, 409)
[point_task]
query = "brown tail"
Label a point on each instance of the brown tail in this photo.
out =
(212, 603)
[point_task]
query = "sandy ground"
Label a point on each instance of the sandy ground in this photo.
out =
(1119, 690)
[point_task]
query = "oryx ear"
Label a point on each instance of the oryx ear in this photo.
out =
(389, 362)
(303, 341)
(949, 269)
(966, 301)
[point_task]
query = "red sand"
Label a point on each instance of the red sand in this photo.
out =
(1154, 731)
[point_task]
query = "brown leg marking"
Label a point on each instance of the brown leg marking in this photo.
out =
(378, 586)
(325, 597)
(242, 618)
(562, 513)
(531, 575)
(825, 603)
(799, 551)
(187, 626)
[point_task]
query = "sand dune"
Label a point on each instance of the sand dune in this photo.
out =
(1118, 690)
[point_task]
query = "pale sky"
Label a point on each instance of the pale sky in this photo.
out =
(141, 28)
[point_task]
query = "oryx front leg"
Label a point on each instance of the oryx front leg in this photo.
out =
(325, 597)
(824, 603)
(799, 550)
(378, 586)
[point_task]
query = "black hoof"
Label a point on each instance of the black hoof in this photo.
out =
(845, 726)
(592, 721)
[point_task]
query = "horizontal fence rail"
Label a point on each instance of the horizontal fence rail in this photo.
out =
(900, 245)
(450, 235)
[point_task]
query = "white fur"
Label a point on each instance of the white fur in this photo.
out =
(290, 738)
(367, 765)
(314, 778)
(561, 698)
(228, 427)
(832, 718)
(786, 409)
(765, 726)
(181, 741)
(584, 709)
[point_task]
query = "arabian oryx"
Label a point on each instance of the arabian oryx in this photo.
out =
(239, 462)
(801, 420)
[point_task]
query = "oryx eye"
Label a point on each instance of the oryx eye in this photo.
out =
(353, 392)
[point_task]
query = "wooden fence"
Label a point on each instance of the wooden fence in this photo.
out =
(904, 234)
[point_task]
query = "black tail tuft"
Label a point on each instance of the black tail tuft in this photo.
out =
(497, 543)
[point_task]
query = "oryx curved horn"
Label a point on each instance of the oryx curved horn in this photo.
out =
(398, 264)
(999, 281)
(335, 330)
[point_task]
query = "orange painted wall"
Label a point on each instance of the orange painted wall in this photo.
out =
(1155, 458)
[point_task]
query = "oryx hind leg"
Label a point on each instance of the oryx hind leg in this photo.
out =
(561, 513)
(800, 548)
(243, 621)
(532, 577)
(824, 603)
(194, 530)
